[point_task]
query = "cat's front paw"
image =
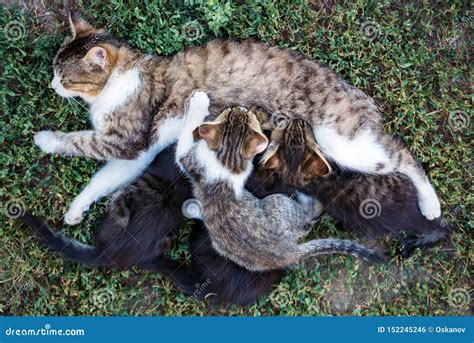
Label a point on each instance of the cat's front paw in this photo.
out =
(74, 216)
(76, 212)
(47, 141)
(429, 203)
(198, 109)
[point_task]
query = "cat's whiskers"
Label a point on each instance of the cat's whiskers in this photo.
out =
(79, 104)
(72, 104)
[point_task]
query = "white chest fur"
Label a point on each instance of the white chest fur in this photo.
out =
(214, 170)
(120, 88)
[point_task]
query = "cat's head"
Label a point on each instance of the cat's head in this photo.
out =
(84, 61)
(236, 137)
(293, 155)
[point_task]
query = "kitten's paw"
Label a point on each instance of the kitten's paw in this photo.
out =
(429, 203)
(199, 100)
(198, 109)
(47, 141)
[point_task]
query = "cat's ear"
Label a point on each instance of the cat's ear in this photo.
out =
(79, 27)
(97, 55)
(273, 162)
(315, 165)
(255, 144)
(210, 133)
(208, 130)
(271, 159)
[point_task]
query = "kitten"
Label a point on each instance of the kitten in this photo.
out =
(257, 234)
(375, 204)
(137, 105)
(140, 223)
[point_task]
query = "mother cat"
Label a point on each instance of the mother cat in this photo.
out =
(137, 104)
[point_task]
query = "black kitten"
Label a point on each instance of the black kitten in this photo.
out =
(141, 224)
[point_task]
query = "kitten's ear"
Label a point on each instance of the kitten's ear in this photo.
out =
(271, 159)
(273, 162)
(210, 133)
(315, 165)
(255, 144)
(97, 55)
(79, 27)
(208, 130)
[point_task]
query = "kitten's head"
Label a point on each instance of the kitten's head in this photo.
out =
(84, 61)
(293, 155)
(236, 137)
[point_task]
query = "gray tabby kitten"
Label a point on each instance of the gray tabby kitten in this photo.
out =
(258, 234)
(137, 105)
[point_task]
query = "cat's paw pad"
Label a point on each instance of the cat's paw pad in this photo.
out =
(47, 141)
(429, 203)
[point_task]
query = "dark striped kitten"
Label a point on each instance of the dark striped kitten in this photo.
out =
(137, 105)
(258, 234)
(142, 222)
(375, 204)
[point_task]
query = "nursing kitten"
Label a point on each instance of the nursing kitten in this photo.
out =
(142, 222)
(258, 234)
(375, 204)
(137, 105)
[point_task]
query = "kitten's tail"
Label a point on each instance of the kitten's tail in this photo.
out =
(64, 246)
(337, 246)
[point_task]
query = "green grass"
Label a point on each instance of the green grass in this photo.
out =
(416, 65)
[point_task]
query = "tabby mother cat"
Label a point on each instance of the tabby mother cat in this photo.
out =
(137, 105)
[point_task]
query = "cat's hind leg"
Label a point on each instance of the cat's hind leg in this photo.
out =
(378, 153)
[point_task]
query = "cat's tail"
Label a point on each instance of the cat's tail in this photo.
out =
(337, 246)
(66, 247)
